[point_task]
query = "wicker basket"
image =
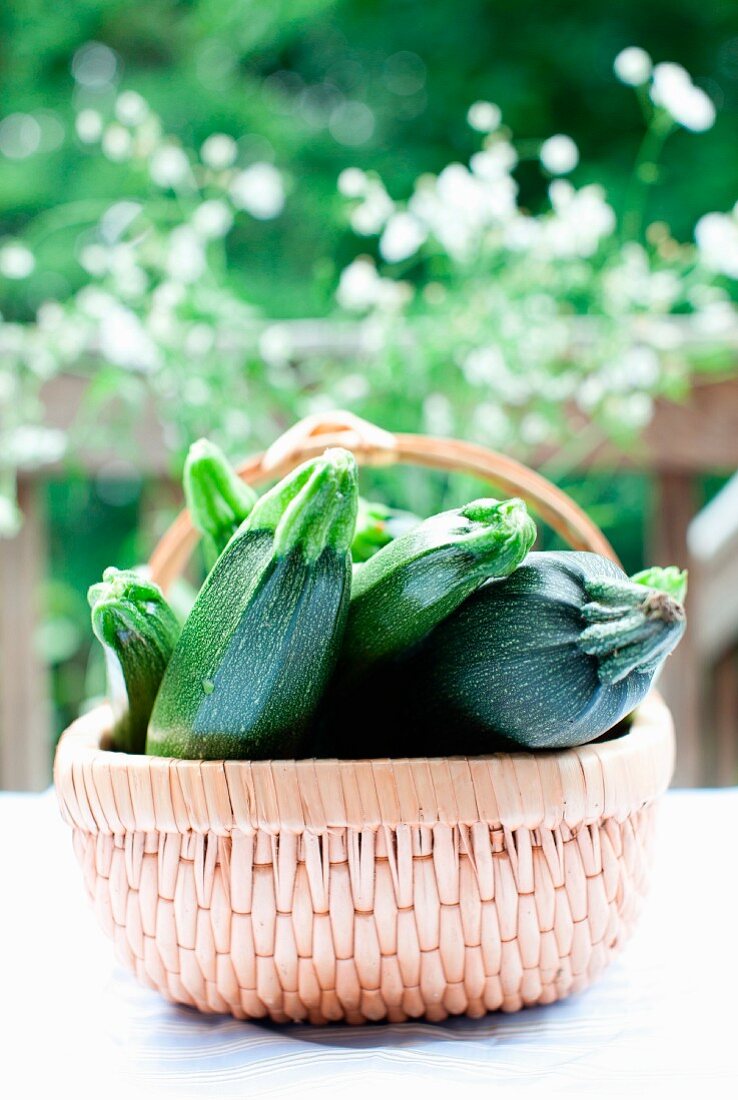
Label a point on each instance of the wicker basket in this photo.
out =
(374, 889)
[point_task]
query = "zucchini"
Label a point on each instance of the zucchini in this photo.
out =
(376, 525)
(414, 582)
(262, 638)
(138, 631)
(217, 500)
(667, 579)
(552, 656)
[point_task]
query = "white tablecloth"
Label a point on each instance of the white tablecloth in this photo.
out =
(663, 1019)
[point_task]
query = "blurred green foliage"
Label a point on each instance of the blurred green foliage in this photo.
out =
(284, 78)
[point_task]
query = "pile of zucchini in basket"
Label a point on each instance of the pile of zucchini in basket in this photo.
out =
(328, 626)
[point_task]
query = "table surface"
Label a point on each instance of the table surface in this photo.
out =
(662, 1018)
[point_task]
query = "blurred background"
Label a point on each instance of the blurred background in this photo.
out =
(512, 223)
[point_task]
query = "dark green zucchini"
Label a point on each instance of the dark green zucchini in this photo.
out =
(376, 525)
(414, 582)
(217, 500)
(552, 656)
(261, 641)
(138, 631)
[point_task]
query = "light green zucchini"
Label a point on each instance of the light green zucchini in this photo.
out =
(138, 631)
(415, 581)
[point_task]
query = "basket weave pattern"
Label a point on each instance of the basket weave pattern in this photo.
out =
(370, 889)
(460, 886)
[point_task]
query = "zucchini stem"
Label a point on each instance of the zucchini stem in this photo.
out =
(308, 507)
(667, 579)
(634, 632)
(217, 500)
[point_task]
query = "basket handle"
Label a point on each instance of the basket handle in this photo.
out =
(374, 446)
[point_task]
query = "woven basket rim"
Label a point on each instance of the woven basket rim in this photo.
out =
(104, 791)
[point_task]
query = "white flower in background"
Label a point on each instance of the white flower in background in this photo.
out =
(219, 151)
(49, 316)
(717, 240)
(131, 108)
(16, 261)
(34, 445)
(357, 287)
(559, 155)
(370, 216)
(13, 338)
(65, 331)
(484, 200)
(162, 321)
(129, 280)
(581, 220)
(352, 183)
(631, 411)
(259, 191)
(352, 387)
(200, 339)
(484, 117)
(458, 205)
(185, 261)
(94, 259)
(212, 219)
(89, 125)
(117, 219)
(631, 281)
(402, 237)
(672, 89)
(195, 391)
(8, 386)
(167, 296)
(117, 142)
(534, 429)
(485, 366)
(522, 233)
(495, 161)
(638, 368)
(590, 392)
(237, 423)
(276, 345)
(625, 283)
(147, 137)
(94, 302)
(11, 519)
(169, 166)
(633, 66)
(361, 288)
(668, 77)
(459, 189)
(697, 111)
(664, 288)
(641, 366)
(123, 340)
(716, 319)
